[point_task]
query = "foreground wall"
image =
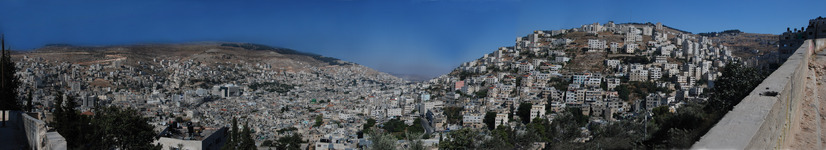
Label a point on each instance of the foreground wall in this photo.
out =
(37, 136)
(761, 122)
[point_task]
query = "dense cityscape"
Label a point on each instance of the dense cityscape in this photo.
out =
(595, 86)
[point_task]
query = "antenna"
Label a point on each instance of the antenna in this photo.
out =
(630, 15)
(3, 63)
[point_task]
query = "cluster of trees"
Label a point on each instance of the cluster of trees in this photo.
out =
(714, 34)
(319, 120)
(239, 140)
(109, 128)
(663, 129)
(400, 129)
(692, 121)
(381, 140)
(290, 142)
(9, 83)
(453, 114)
(559, 83)
(637, 90)
(636, 59)
(559, 134)
(524, 112)
(386, 137)
(272, 87)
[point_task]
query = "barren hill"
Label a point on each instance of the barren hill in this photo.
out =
(206, 53)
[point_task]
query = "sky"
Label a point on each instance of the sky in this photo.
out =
(422, 37)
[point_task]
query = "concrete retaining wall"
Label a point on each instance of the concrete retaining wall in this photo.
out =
(38, 137)
(761, 122)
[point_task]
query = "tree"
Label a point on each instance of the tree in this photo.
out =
(58, 112)
(69, 122)
(464, 138)
(416, 127)
(394, 125)
(290, 142)
(490, 120)
(454, 114)
(623, 92)
(232, 140)
(239, 140)
(369, 123)
(117, 128)
(319, 120)
(500, 139)
(381, 141)
(415, 140)
(9, 82)
(524, 112)
(267, 143)
(735, 84)
(29, 104)
(247, 143)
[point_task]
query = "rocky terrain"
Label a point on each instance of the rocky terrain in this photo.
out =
(206, 53)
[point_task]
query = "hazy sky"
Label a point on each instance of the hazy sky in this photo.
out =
(427, 37)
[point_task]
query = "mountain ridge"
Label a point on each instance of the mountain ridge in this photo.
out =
(210, 53)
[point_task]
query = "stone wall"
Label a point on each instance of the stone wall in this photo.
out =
(760, 121)
(37, 135)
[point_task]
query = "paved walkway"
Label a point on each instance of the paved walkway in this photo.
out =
(11, 138)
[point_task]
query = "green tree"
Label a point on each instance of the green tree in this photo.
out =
(116, 128)
(453, 114)
(500, 139)
(9, 82)
(289, 142)
(394, 125)
(318, 120)
(623, 92)
(267, 143)
(464, 138)
(29, 104)
(735, 84)
(618, 135)
(415, 140)
(368, 124)
(381, 141)
(73, 123)
(416, 127)
(490, 120)
(58, 112)
(247, 142)
(232, 140)
(524, 112)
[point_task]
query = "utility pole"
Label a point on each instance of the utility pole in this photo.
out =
(3, 71)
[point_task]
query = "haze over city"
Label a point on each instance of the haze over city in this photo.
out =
(420, 37)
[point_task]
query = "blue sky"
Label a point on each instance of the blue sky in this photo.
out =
(427, 37)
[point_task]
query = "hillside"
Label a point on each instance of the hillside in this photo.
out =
(205, 53)
(741, 44)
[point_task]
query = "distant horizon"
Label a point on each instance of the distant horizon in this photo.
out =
(419, 37)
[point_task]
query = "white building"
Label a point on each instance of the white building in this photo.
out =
(537, 111)
(655, 73)
(614, 47)
(613, 63)
(630, 48)
(639, 75)
(647, 30)
(594, 44)
(501, 119)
